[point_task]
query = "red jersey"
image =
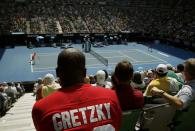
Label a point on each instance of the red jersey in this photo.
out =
(129, 98)
(82, 107)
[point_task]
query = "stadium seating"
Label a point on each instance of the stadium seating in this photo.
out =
(184, 120)
(129, 119)
(157, 117)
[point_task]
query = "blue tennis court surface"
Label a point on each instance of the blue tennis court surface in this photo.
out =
(15, 64)
(47, 61)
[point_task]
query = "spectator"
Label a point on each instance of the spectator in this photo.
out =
(106, 74)
(38, 89)
(76, 106)
(87, 80)
(171, 73)
(129, 97)
(39, 81)
(149, 77)
(92, 79)
(13, 86)
(19, 89)
(137, 81)
(49, 85)
(162, 82)
(184, 97)
(11, 92)
(3, 101)
(180, 72)
(101, 80)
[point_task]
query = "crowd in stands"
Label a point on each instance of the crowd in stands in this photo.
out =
(42, 17)
(9, 93)
(174, 84)
(125, 89)
(165, 77)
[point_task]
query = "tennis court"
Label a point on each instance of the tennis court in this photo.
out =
(15, 64)
(47, 61)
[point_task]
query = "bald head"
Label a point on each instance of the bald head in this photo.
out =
(71, 67)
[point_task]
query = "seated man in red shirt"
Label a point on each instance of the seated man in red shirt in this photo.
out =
(129, 97)
(76, 106)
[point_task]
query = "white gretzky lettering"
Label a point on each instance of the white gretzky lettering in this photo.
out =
(57, 125)
(84, 115)
(92, 117)
(66, 119)
(99, 112)
(74, 118)
(82, 110)
(107, 106)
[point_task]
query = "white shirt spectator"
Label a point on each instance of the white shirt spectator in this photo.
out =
(187, 93)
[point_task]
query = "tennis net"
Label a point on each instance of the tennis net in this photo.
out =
(99, 57)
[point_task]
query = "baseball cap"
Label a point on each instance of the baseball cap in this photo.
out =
(161, 69)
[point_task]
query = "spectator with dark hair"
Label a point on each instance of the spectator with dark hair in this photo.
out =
(106, 74)
(167, 84)
(5, 101)
(137, 81)
(38, 89)
(76, 106)
(180, 72)
(129, 97)
(36, 85)
(2, 102)
(92, 79)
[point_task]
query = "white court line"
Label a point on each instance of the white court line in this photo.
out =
(96, 66)
(54, 67)
(163, 54)
(106, 57)
(100, 65)
(42, 68)
(31, 66)
(105, 52)
(48, 53)
(114, 51)
(151, 55)
(127, 56)
(91, 58)
(114, 57)
(149, 61)
(99, 51)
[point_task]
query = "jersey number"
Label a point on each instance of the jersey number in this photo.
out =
(107, 127)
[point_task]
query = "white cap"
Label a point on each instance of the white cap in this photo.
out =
(161, 69)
